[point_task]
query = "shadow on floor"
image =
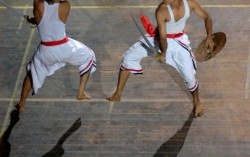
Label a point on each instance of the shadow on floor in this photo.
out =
(5, 146)
(58, 151)
(173, 146)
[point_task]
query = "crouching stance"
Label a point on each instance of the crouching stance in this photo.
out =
(55, 49)
(169, 37)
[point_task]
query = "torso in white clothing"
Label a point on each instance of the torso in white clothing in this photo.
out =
(174, 27)
(51, 28)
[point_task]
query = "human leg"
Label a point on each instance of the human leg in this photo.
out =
(192, 84)
(198, 107)
(83, 81)
(130, 64)
(183, 61)
(122, 79)
(83, 57)
(26, 88)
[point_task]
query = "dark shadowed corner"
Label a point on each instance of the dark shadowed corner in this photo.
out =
(5, 145)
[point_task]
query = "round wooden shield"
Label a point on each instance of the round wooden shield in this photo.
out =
(203, 54)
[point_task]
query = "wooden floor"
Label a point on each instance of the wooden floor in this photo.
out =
(154, 118)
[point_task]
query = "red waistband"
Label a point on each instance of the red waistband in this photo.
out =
(149, 28)
(174, 35)
(54, 43)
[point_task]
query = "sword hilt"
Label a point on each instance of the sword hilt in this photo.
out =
(31, 20)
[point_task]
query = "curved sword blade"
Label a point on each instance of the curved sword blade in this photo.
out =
(150, 46)
(11, 9)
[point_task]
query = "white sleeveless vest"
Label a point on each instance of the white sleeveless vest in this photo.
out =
(51, 28)
(174, 27)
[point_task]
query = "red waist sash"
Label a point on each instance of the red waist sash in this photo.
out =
(149, 28)
(54, 43)
(174, 35)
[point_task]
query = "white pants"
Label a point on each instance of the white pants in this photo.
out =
(178, 55)
(48, 59)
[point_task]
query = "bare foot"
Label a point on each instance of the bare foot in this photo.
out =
(198, 109)
(114, 97)
(19, 107)
(83, 96)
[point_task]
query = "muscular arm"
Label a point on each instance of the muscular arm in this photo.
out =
(37, 12)
(64, 10)
(38, 9)
(161, 24)
(194, 6)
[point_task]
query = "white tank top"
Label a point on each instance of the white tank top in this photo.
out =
(51, 28)
(174, 27)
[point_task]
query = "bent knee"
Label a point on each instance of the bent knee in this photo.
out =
(191, 84)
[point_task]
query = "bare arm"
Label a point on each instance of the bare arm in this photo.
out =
(64, 10)
(37, 12)
(38, 9)
(194, 6)
(161, 24)
(161, 16)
